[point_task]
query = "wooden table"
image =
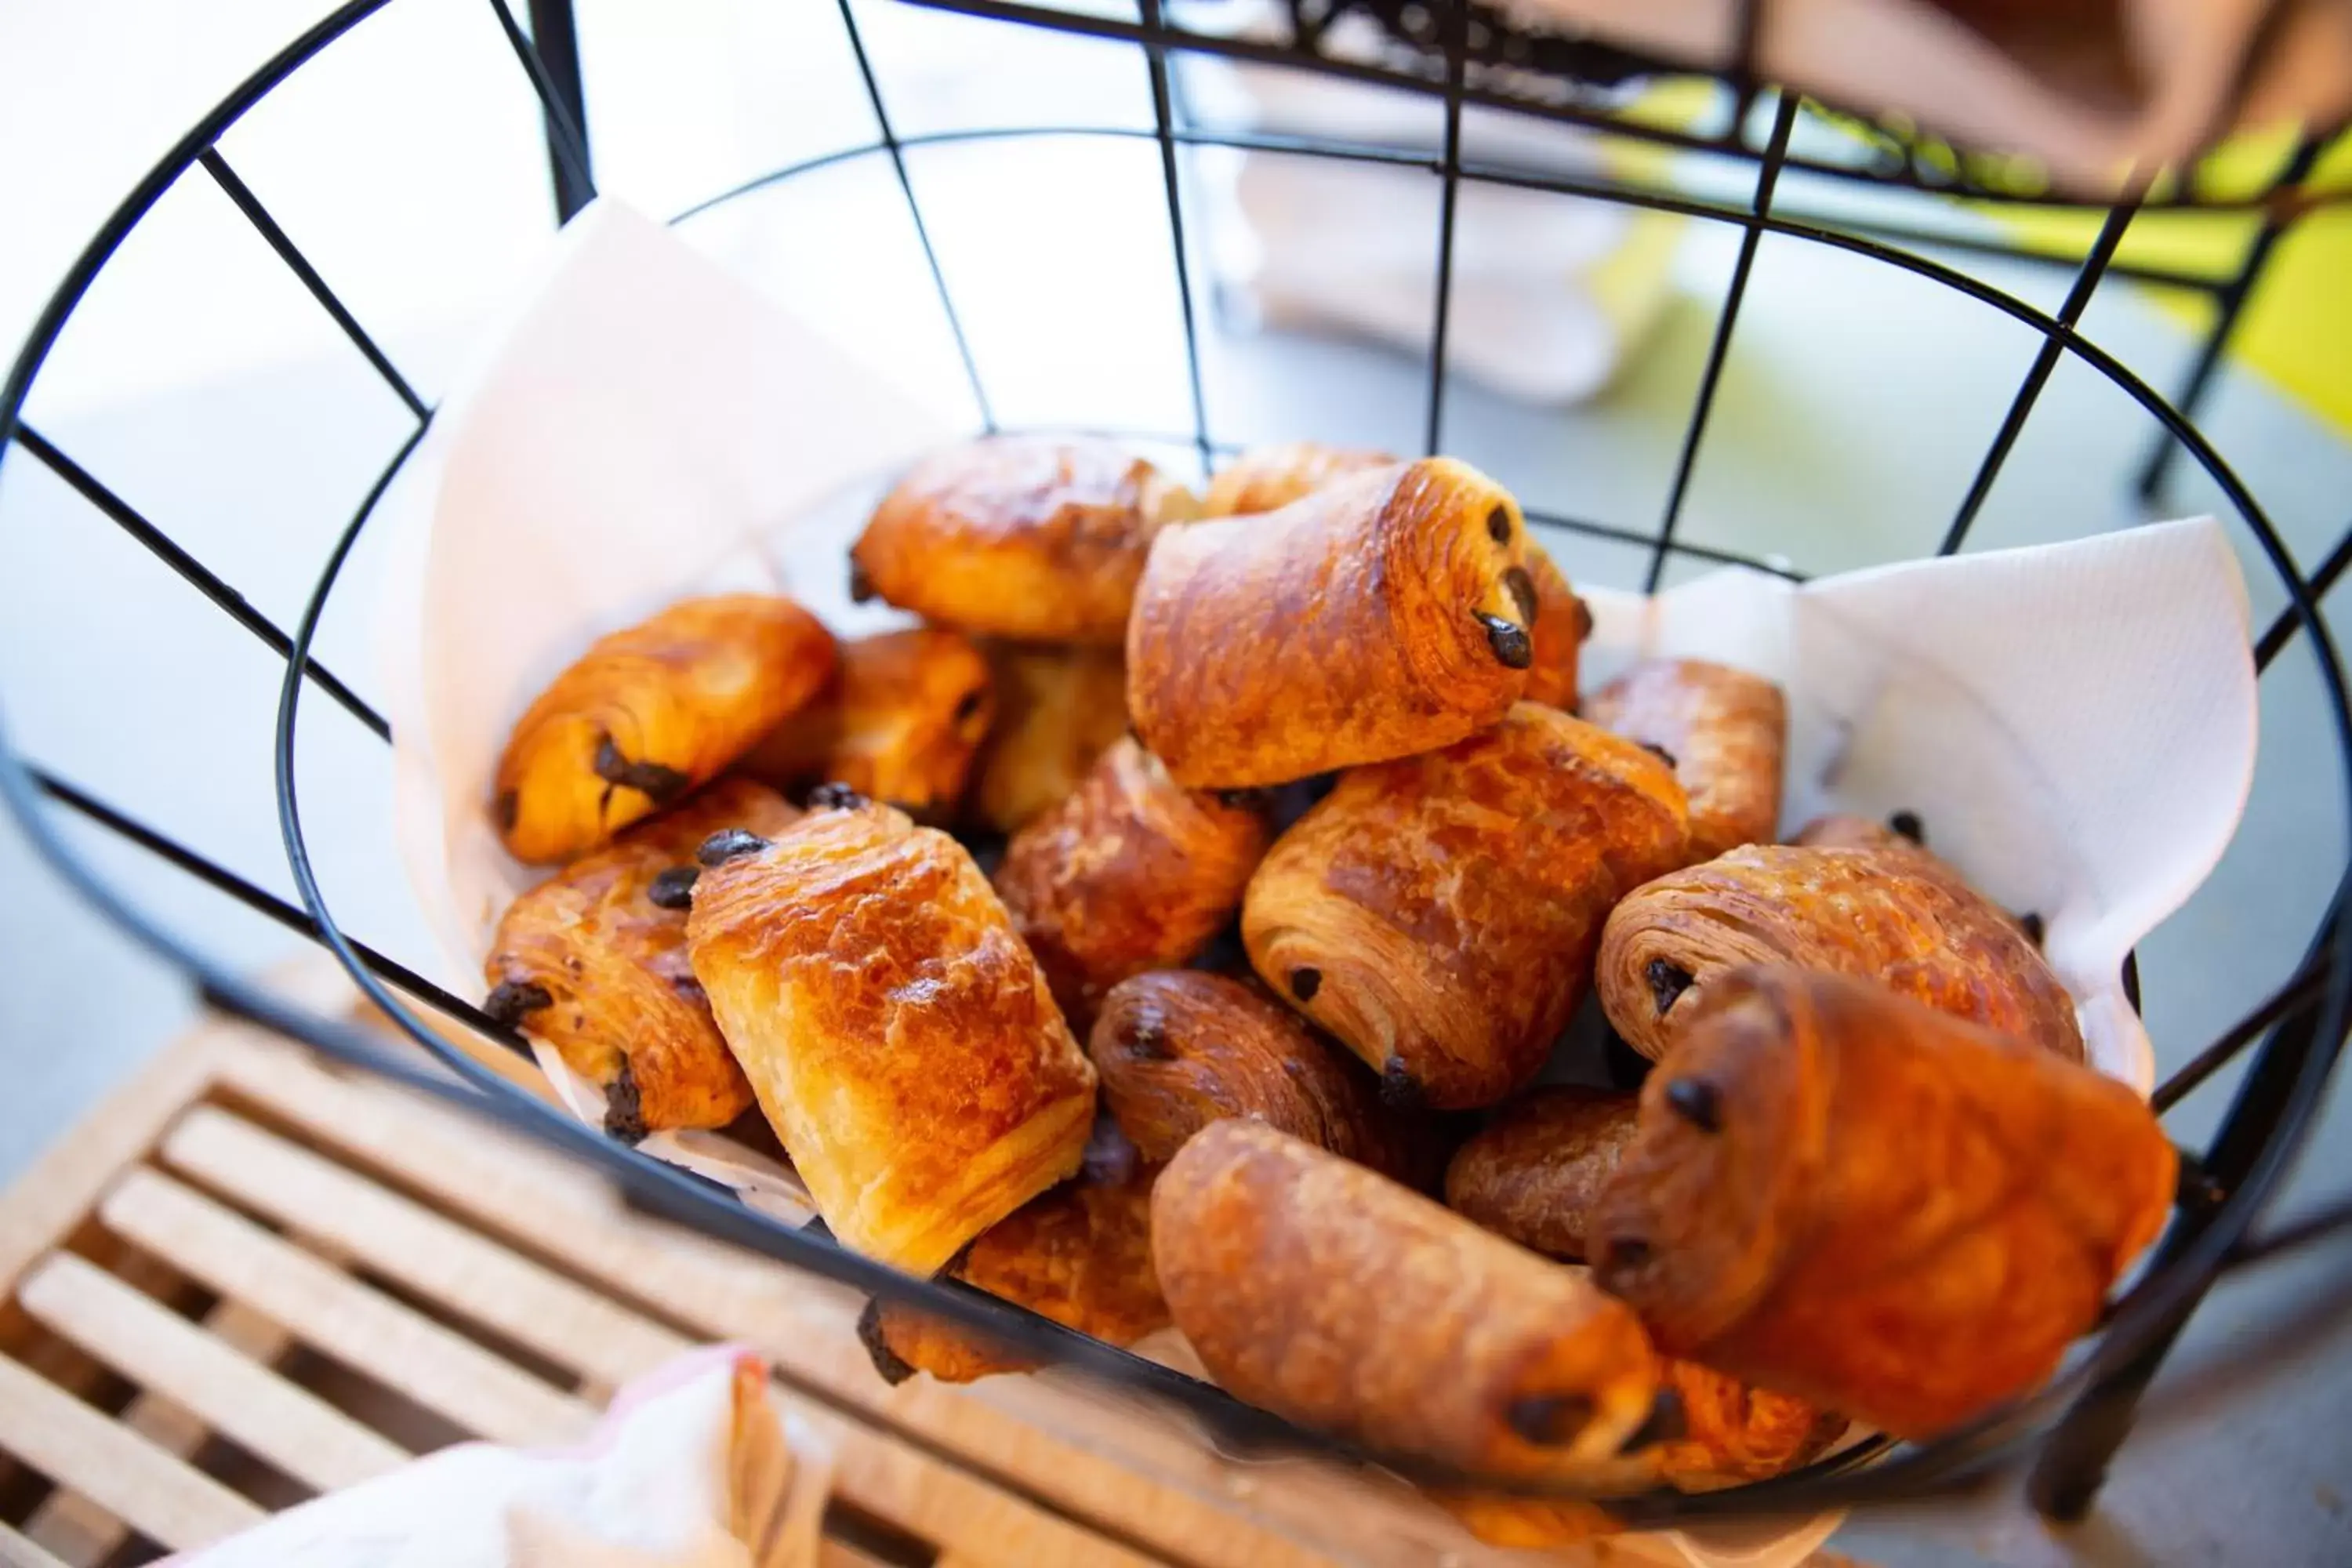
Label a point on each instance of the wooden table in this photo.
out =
(251, 1278)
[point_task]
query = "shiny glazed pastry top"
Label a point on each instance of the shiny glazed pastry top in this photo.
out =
(1839, 1193)
(900, 722)
(899, 1036)
(1266, 478)
(1724, 730)
(1324, 1292)
(649, 712)
(1562, 622)
(1371, 619)
(592, 962)
(1020, 537)
(1058, 708)
(1438, 914)
(1131, 871)
(1179, 1048)
(1846, 911)
(1532, 1174)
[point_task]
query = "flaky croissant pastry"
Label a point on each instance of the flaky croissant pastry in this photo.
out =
(1900, 836)
(1080, 1255)
(1131, 872)
(592, 962)
(1726, 730)
(1532, 1174)
(649, 712)
(1846, 911)
(899, 1037)
(900, 722)
(1178, 1049)
(1021, 537)
(1266, 478)
(1733, 1433)
(1726, 1434)
(1329, 1295)
(1058, 708)
(1438, 914)
(1559, 622)
(1368, 620)
(1840, 1194)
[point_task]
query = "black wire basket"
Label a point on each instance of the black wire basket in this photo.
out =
(1453, 55)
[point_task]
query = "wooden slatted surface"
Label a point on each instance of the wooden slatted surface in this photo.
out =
(252, 1279)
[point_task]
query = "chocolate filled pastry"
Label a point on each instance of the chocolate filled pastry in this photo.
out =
(1900, 836)
(901, 1039)
(1729, 1434)
(1371, 619)
(1266, 478)
(1058, 708)
(900, 722)
(1734, 1433)
(1020, 537)
(1921, 933)
(1561, 623)
(592, 962)
(1130, 872)
(649, 712)
(1533, 1173)
(1328, 1294)
(1724, 730)
(1439, 914)
(1178, 1049)
(1839, 1193)
(1080, 1255)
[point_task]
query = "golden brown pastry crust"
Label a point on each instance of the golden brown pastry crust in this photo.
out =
(1840, 832)
(1131, 872)
(1840, 1194)
(649, 712)
(1178, 1049)
(1267, 479)
(899, 1036)
(1438, 915)
(1561, 624)
(1731, 1433)
(1328, 1294)
(1021, 537)
(901, 723)
(1846, 911)
(1734, 1433)
(1726, 730)
(588, 964)
(1344, 628)
(1531, 1175)
(1080, 1255)
(1056, 710)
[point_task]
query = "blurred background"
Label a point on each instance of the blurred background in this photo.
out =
(204, 388)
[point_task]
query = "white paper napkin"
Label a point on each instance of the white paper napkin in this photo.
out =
(2074, 723)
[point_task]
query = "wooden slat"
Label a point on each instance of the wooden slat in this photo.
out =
(331, 1312)
(992, 1529)
(448, 1264)
(832, 1553)
(75, 1446)
(78, 1528)
(805, 1327)
(57, 1189)
(161, 1352)
(17, 1551)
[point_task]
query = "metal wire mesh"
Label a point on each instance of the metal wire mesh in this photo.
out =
(2295, 1034)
